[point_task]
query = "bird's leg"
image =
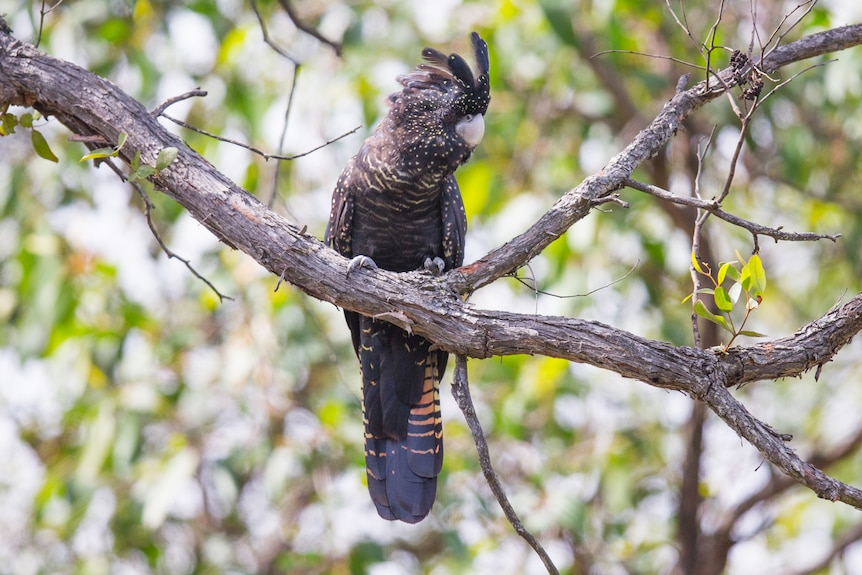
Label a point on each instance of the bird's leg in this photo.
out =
(361, 262)
(435, 266)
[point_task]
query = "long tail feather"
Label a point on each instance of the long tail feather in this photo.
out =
(403, 425)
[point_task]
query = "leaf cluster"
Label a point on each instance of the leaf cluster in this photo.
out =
(8, 123)
(746, 281)
(139, 172)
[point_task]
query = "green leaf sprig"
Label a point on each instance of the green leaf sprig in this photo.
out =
(747, 283)
(139, 171)
(8, 123)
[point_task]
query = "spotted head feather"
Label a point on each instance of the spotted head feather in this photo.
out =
(443, 73)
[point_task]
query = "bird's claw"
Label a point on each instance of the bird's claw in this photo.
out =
(361, 262)
(435, 266)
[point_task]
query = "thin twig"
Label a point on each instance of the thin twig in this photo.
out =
(648, 55)
(42, 12)
(297, 21)
(684, 25)
(266, 38)
(257, 151)
(695, 240)
(196, 93)
(293, 83)
(283, 136)
(537, 291)
(148, 207)
(755, 33)
(711, 34)
(461, 392)
(734, 160)
(765, 49)
(794, 76)
(714, 207)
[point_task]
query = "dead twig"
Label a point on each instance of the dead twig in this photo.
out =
(461, 392)
(714, 207)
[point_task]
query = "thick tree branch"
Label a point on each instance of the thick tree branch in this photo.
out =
(90, 106)
(576, 204)
(811, 346)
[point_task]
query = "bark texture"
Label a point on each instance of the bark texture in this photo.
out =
(432, 306)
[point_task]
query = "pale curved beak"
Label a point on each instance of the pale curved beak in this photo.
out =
(471, 129)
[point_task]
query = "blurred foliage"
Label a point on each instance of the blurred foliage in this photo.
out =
(146, 427)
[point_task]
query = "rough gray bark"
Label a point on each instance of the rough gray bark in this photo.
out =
(91, 106)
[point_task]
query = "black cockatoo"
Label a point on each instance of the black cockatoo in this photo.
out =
(397, 206)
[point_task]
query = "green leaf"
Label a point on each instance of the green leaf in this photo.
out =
(7, 124)
(745, 278)
(559, 16)
(701, 310)
(722, 300)
(99, 153)
(41, 147)
(26, 120)
(695, 264)
(142, 173)
(732, 272)
(750, 333)
(121, 139)
(758, 277)
(726, 269)
(166, 156)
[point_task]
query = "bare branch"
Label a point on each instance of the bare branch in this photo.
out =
(714, 207)
(711, 34)
(197, 93)
(90, 106)
(773, 445)
(252, 149)
(287, 5)
(148, 209)
(266, 37)
(461, 392)
(781, 483)
(576, 204)
(808, 5)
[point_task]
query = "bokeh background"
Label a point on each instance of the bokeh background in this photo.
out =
(148, 427)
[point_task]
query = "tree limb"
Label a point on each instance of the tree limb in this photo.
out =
(714, 207)
(432, 306)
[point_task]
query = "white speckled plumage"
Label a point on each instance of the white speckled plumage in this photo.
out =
(398, 205)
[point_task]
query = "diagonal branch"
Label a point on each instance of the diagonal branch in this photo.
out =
(90, 106)
(288, 7)
(576, 204)
(714, 207)
(461, 391)
(812, 346)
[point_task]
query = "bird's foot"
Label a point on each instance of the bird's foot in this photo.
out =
(361, 262)
(435, 266)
